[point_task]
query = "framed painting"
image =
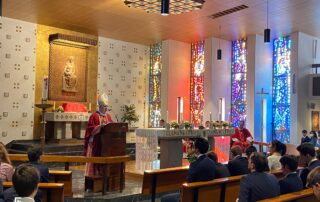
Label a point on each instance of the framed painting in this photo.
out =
(315, 120)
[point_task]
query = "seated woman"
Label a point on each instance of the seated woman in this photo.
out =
(6, 169)
(277, 150)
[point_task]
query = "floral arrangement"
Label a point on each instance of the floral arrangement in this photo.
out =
(187, 125)
(174, 125)
(225, 124)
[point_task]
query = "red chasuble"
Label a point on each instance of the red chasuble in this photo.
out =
(244, 138)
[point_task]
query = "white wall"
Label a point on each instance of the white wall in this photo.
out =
(122, 73)
(17, 79)
(301, 61)
(217, 79)
(262, 79)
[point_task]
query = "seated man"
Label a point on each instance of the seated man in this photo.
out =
(25, 181)
(250, 150)
(203, 169)
(314, 181)
(291, 182)
(238, 165)
(34, 159)
(258, 185)
(221, 169)
(308, 157)
(305, 137)
(242, 137)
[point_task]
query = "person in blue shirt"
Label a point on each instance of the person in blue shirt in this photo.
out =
(305, 137)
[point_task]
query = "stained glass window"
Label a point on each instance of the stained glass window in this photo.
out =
(197, 83)
(155, 85)
(281, 89)
(238, 82)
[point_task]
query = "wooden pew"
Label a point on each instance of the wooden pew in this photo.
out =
(305, 195)
(62, 176)
(163, 180)
(51, 192)
(104, 161)
(229, 188)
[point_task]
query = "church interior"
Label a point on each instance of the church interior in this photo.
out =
(117, 93)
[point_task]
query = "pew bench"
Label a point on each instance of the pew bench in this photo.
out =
(62, 176)
(305, 195)
(104, 161)
(51, 192)
(163, 180)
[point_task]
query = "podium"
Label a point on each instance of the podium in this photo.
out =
(113, 143)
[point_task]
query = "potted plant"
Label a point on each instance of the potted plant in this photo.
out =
(130, 115)
(187, 125)
(174, 125)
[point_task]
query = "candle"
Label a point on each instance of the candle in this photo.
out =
(210, 117)
(54, 105)
(45, 88)
(167, 116)
(89, 106)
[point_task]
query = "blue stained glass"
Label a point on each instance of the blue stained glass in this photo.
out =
(281, 89)
(238, 82)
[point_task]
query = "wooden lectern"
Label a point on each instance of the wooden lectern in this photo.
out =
(113, 143)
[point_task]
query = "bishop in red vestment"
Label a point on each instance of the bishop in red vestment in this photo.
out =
(92, 144)
(242, 137)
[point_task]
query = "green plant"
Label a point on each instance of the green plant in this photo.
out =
(174, 125)
(187, 125)
(130, 114)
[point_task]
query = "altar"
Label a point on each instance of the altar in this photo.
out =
(66, 125)
(171, 145)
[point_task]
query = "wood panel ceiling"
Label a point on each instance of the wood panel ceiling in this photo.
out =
(113, 19)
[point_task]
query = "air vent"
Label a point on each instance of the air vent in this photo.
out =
(227, 12)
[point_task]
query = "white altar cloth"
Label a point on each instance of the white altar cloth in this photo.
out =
(147, 143)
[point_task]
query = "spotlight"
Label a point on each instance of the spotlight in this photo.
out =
(219, 54)
(165, 7)
(267, 35)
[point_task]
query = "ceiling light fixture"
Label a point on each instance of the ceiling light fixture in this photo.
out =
(176, 6)
(267, 31)
(165, 7)
(219, 51)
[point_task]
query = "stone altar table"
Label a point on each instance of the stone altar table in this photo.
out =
(66, 125)
(170, 145)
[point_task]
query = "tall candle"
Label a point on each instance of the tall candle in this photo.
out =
(210, 116)
(89, 106)
(45, 88)
(54, 105)
(167, 117)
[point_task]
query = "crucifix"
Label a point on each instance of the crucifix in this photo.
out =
(262, 112)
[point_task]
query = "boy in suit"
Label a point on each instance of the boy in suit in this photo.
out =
(291, 182)
(239, 164)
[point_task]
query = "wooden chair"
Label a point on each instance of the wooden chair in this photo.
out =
(305, 195)
(163, 180)
(51, 192)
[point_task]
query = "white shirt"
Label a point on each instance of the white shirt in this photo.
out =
(274, 162)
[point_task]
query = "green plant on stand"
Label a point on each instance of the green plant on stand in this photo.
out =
(129, 115)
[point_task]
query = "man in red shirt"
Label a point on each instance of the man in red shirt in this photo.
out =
(242, 137)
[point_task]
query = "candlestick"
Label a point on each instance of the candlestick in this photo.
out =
(89, 106)
(45, 88)
(167, 117)
(210, 117)
(54, 105)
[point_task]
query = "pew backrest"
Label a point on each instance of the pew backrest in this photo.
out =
(163, 180)
(305, 195)
(50, 192)
(62, 176)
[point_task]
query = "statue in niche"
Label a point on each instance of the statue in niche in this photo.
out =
(69, 78)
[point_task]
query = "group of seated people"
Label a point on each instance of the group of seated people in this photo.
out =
(25, 177)
(313, 138)
(257, 182)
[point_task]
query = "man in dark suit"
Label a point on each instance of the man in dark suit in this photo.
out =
(308, 157)
(238, 165)
(221, 169)
(34, 159)
(258, 185)
(203, 169)
(291, 182)
(305, 137)
(313, 181)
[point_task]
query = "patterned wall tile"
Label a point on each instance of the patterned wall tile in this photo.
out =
(17, 56)
(122, 75)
